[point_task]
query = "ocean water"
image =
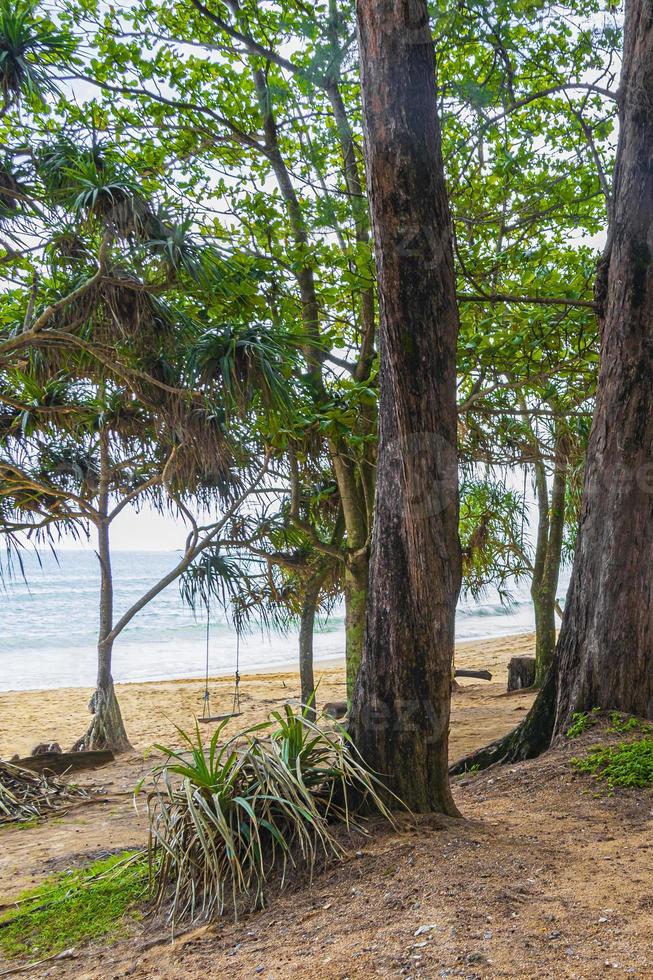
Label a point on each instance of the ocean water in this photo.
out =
(48, 625)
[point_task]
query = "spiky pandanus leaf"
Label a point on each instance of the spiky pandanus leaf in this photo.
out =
(228, 818)
(29, 44)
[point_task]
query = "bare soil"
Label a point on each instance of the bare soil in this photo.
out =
(546, 876)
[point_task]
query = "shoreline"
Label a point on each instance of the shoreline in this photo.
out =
(153, 710)
(254, 670)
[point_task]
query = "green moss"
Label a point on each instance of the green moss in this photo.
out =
(75, 906)
(581, 721)
(626, 764)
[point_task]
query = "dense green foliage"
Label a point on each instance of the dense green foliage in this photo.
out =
(186, 234)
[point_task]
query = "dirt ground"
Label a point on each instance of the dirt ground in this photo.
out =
(546, 876)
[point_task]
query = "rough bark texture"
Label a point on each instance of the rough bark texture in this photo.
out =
(521, 673)
(604, 656)
(400, 710)
(605, 650)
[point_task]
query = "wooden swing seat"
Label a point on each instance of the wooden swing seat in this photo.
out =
(232, 714)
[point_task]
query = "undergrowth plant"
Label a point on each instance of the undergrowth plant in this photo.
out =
(625, 764)
(227, 817)
(581, 721)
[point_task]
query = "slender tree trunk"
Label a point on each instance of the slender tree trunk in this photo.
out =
(400, 710)
(356, 594)
(548, 557)
(352, 493)
(606, 644)
(306, 629)
(107, 730)
(544, 644)
(604, 656)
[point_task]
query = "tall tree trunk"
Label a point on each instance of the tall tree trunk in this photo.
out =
(400, 710)
(107, 730)
(604, 656)
(606, 644)
(548, 557)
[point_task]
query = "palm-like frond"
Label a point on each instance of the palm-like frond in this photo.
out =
(29, 45)
(227, 817)
(248, 360)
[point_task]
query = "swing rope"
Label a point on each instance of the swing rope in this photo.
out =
(235, 710)
(523, 508)
(206, 698)
(206, 709)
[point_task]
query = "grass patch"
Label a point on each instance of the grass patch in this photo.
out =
(626, 764)
(75, 906)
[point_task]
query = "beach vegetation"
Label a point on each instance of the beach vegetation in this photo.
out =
(581, 721)
(97, 901)
(628, 764)
(231, 818)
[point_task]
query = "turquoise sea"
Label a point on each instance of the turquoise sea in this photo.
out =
(48, 625)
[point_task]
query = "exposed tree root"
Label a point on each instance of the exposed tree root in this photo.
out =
(107, 729)
(527, 741)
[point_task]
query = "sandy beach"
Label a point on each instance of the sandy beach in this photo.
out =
(481, 710)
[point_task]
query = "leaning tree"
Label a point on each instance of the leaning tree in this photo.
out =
(604, 656)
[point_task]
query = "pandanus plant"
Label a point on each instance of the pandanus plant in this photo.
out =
(30, 44)
(228, 819)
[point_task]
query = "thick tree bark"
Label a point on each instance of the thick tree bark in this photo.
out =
(107, 730)
(604, 656)
(605, 649)
(400, 710)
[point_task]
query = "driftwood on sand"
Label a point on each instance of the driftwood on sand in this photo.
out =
(62, 762)
(28, 795)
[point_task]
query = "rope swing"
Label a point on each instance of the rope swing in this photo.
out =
(206, 698)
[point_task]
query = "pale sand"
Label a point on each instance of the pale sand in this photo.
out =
(480, 713)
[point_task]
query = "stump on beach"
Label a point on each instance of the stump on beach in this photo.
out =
(521, 673)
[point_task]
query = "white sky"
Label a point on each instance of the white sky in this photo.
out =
(145, 531)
